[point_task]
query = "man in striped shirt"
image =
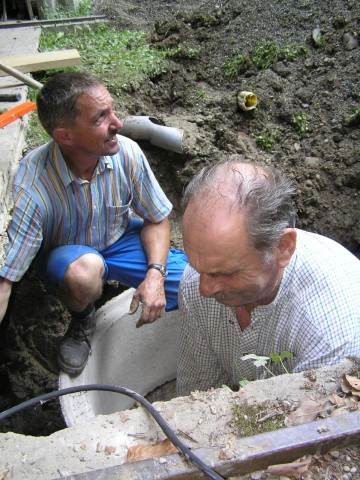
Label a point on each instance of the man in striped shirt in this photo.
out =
(73, 203)
(257, 285)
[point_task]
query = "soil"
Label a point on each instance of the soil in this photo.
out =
(219, 422)
(322, 86)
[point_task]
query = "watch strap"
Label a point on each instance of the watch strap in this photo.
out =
(159, 266)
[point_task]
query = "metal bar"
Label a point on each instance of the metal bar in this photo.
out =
(250, 453)
(64, 21)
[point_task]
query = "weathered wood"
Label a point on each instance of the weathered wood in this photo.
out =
(42, 61)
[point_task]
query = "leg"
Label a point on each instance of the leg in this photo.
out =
(76, 272)
(127, 263)
(83, 282)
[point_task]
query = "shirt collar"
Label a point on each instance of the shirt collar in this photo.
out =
(64, 171)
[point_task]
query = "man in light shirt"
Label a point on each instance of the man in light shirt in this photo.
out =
(257, 285)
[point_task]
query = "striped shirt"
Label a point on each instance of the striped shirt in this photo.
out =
(53, 207)
(315, 316)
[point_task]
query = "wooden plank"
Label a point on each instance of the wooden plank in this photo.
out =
(42, 61)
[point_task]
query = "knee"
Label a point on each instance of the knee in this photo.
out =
(86, 272)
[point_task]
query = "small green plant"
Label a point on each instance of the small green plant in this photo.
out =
(266, 52)
(301, 123)
(354, 118)
(236, 65)
(275, 358)
(267, 139)
(197, 95)
(293, 51)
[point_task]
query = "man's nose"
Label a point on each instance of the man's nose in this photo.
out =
(116, 122)
(208, 285)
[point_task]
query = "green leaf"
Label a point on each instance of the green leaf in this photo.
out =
(286, 355)
(243, 382)
(275, 357)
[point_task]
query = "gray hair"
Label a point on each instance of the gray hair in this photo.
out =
(57, 99)
(265, 195)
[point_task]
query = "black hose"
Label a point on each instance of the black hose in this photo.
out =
(112, 388)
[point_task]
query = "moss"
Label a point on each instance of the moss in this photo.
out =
(253, 419)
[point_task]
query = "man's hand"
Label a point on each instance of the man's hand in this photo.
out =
(5, 291)
(150, 295)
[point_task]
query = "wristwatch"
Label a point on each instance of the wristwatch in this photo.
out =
(159, 266)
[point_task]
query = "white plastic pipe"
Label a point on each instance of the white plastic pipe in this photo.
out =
(148, 128)
(139, 359)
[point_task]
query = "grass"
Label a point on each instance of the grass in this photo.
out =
(84, 8)
(122, 58)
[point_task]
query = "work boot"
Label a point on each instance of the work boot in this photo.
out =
(75, 347)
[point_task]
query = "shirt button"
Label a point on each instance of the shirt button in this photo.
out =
(231, 322)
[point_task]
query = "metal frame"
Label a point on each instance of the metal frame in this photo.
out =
(247, 454)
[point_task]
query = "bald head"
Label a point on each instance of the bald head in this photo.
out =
(259, 196)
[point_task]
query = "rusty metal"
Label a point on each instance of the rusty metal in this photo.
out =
(250, 453)
(52, 23)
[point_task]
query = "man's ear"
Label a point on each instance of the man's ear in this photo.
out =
(286, 247)
(62, 136)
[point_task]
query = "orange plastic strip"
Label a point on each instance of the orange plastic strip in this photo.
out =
(16, 112)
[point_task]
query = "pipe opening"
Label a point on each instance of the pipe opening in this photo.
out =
(140, 359)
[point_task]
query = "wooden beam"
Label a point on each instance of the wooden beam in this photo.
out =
(33, 62)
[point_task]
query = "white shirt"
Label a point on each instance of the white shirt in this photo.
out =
(315, 316)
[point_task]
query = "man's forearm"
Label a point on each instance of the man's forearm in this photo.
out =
(155, 238)
(5, 291)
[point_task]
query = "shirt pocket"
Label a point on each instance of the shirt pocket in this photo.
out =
(116, 214)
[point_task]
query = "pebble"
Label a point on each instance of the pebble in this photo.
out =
(350, 42)
(256, 476)
(346, 469)
(335, 454)
(353, 470)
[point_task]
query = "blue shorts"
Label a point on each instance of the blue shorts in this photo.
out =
(125, 261)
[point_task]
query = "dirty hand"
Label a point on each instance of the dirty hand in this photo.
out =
(150, 295)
